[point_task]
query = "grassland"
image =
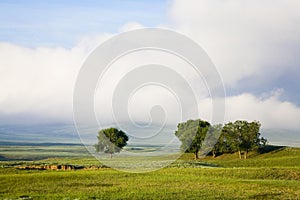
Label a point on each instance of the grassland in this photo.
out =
(274, 174)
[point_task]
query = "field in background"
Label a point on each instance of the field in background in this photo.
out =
(273, 174)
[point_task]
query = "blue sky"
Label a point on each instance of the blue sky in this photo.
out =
(62, 23)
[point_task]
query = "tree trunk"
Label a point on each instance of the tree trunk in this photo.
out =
(111, 155)
(240, 154)
(214, 154)
(196, 155)
(245, 154)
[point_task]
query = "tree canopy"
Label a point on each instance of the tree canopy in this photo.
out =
(111, 140)
(214, 141)
(240, 136)
(191, 134)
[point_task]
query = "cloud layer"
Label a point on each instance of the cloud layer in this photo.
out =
(257, 41)
(244, 38)
(39, 82)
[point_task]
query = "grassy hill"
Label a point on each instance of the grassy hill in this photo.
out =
(271, 156)
(273, 174)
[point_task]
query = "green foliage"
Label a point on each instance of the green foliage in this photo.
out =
(241, 136)
(111, 140)
(191, 134)
(215, 140)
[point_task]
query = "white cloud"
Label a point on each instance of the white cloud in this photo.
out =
(131, 26)
(37, 80)
(40, 81)
(243, 38)
(255, 40)
(124, 76)
(271, 112)
(268, 109)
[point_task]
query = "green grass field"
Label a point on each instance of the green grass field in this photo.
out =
(270, 175)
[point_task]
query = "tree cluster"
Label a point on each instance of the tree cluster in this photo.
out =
(239, 136)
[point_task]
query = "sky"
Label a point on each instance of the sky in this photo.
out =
(255, 45)
(63, 23)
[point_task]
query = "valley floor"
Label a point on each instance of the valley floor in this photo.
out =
(271, 175)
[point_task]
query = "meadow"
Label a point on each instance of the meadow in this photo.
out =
(273, 174)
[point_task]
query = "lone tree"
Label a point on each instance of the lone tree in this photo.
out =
(243, 136)
(111, 140)
(191, 134)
